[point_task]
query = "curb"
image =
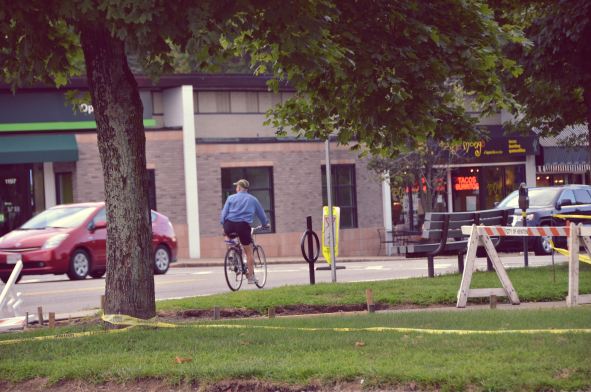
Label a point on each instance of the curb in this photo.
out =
(186, 263)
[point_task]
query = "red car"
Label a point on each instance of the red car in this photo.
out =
(72, 239)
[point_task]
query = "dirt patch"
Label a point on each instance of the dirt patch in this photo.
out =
(153, 385)
(289, 310)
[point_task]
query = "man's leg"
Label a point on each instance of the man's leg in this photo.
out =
(249, 260)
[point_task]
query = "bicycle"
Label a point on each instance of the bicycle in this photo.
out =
(235, 268)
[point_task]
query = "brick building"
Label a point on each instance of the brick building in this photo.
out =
(203, 132)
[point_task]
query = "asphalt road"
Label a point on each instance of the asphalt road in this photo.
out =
(64, 297)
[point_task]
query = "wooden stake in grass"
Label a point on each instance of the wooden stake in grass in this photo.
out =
(103, 303)
(51, 321)
(370, 305)
(493, 301)
(216, 313)
(271, 312)
(40, 314)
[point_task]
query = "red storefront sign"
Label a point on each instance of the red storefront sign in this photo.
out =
(466, 183)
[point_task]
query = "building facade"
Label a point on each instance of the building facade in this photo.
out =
(203, 132)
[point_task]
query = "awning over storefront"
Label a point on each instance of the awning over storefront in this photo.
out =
(38, 148)
(565, 160)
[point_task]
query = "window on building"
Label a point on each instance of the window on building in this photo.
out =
(343, 193)
(239, 102)
(261, 187)
(63, 188)
(213, 101)
(152, 189)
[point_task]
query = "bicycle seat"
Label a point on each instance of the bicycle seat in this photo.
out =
(232, 239)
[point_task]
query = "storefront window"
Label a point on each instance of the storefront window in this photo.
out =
(481, 188)
(152, 189)
(63, 188)
(22, 194)
(466, 189)
(344, 193)
(493, 191)
(261, 187)
(559, 179)
(37, 188)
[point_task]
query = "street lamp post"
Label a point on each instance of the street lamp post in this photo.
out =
(330, 212)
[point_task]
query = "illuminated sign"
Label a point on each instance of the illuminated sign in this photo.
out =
(466, 183)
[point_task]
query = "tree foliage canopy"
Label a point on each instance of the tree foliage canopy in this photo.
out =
(385, 74)
(397, 72)
(554, 90)
(382, 73)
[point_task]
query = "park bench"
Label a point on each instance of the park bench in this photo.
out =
(394, 237)
(442, 234)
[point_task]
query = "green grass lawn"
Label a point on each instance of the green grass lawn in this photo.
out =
(292, 353)
(320, 350)
(532, 285)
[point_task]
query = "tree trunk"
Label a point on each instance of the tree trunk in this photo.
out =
(122, 145)
(587, 98)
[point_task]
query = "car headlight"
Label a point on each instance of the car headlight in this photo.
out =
(54, 241)
(529, 217)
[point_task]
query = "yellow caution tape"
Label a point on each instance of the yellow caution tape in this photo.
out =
(402, 329)
(133, 322)
(565, 216)
(127, 320)
(62, 336)
(565, 252)
(122, 319)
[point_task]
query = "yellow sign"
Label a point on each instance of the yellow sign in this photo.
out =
(336, 215)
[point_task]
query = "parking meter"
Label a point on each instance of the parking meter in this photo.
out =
(523, 206)
(523, 197)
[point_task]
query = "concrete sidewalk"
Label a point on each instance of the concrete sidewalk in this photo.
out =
(215, 261)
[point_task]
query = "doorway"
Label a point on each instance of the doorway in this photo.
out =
(21, 194)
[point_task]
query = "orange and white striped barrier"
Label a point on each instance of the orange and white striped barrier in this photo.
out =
(509, 231)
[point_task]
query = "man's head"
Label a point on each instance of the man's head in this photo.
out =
(242, 184)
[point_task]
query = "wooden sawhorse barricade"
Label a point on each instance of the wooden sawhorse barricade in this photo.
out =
(579, 233)
(480, 236)
(10, 300)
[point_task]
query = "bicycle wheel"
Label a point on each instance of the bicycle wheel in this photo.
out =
(260, 266)
(233, 269)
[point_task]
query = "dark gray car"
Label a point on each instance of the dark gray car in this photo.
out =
(544, 204)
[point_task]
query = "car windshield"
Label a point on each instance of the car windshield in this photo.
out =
(62, 217)
(538, 197)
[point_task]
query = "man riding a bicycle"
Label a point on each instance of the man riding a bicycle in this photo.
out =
(238, 215)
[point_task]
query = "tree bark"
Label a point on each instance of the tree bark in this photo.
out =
(122, 145)
(587, 98)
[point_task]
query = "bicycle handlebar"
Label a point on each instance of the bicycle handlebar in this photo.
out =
(260, 229)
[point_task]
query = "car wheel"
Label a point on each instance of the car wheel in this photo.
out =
(161, 260)
(79, 265)
(542, 245)
(4, 278)
(97, 274)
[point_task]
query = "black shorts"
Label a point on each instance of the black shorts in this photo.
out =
(240, 229)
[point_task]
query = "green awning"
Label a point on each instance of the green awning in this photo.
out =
(38, 148)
